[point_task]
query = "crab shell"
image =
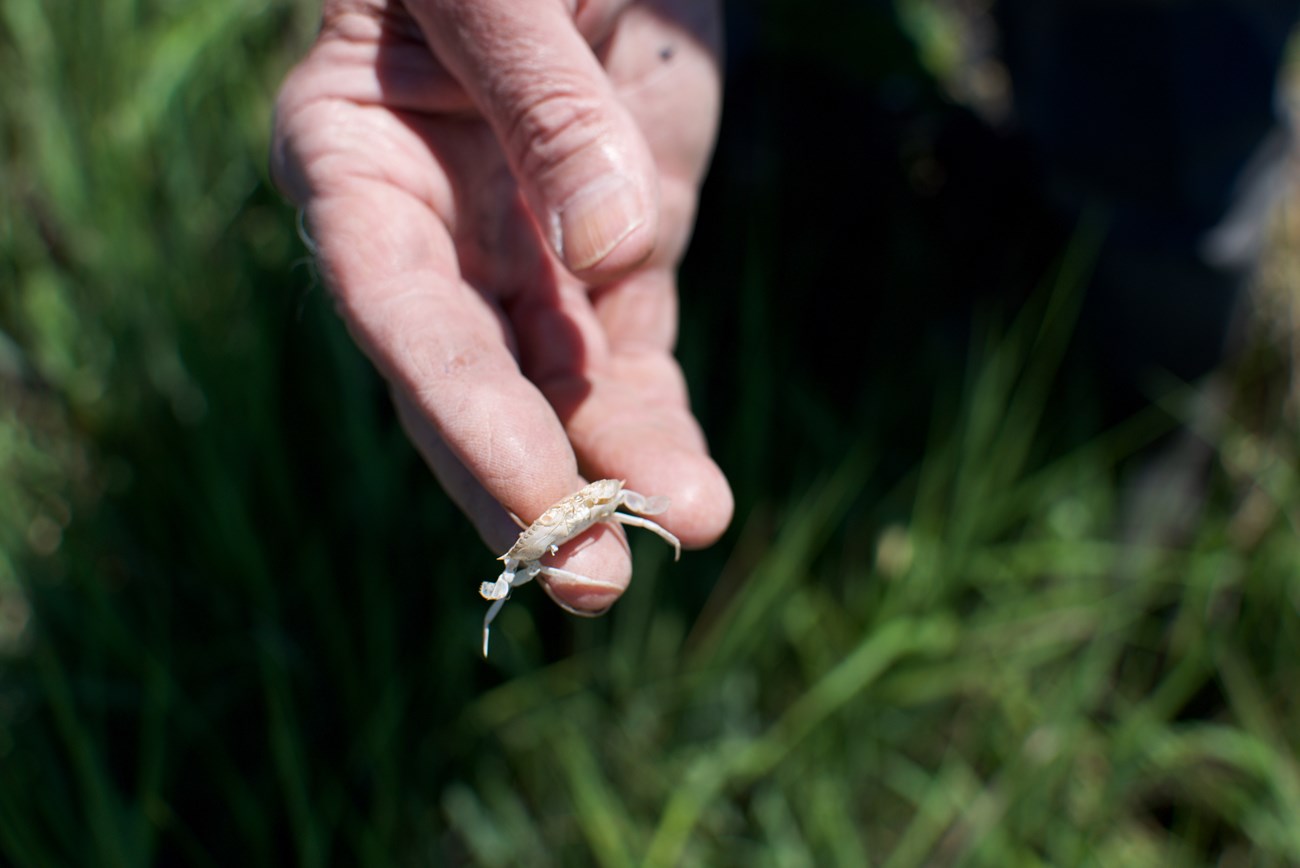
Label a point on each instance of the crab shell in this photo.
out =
(567, 518)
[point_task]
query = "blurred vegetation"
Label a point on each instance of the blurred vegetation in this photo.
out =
(951, 624)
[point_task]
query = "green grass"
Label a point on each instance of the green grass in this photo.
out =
(238, 621)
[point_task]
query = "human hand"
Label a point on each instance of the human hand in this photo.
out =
(499, 201)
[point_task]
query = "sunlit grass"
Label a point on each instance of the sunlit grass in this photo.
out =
(238, 621)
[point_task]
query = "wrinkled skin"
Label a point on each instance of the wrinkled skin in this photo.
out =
(499, 202)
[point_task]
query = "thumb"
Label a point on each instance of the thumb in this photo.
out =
(578, 155)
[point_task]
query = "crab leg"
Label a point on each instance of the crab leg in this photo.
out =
(637, 521)
(487, 620)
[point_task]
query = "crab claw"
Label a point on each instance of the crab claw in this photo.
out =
(497, 590)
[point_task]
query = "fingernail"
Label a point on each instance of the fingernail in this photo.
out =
(595, 220)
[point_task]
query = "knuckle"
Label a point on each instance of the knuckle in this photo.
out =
(553, 125)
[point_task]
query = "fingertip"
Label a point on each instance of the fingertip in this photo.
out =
(701, 504)
(600, 558)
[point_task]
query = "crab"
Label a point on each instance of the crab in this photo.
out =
(565, 519)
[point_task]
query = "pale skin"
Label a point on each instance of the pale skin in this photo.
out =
(499, 200)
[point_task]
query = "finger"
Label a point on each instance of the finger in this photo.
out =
(622, 398)
(632, 421)
(580, 159)
(627, 411)
(492, 520)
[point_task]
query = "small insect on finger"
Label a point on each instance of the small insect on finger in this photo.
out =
(594, 503)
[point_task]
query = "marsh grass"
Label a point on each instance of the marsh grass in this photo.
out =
(238, 623)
